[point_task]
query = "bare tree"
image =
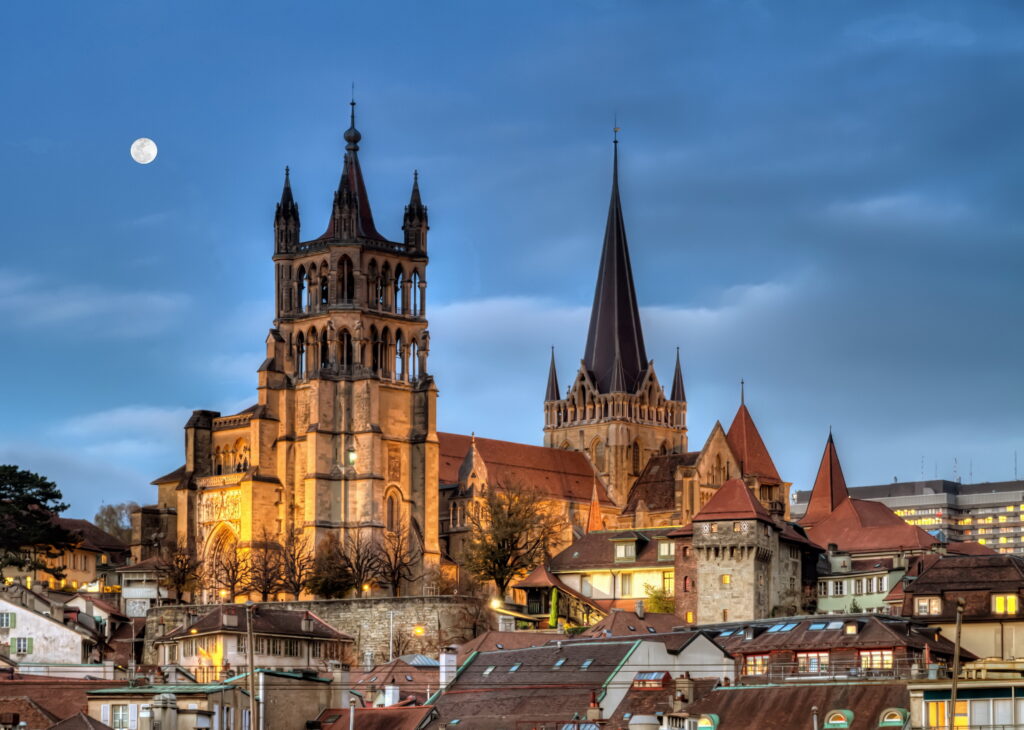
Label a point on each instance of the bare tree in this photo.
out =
(179, 571)
(296, 563)
(397, 558)
(330, 577)
(264, 566)
(228, 572)
(116, 519)
(362, 556)
(511, 532)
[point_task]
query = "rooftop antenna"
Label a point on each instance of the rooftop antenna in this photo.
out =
(922, 467)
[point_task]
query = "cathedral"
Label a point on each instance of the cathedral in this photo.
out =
(342, 439)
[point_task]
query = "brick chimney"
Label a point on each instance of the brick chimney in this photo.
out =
(684, 692)
(447, 662)
(229, 618)
(640, 610)
(594, 710)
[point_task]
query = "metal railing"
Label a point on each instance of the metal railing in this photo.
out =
(786, 672)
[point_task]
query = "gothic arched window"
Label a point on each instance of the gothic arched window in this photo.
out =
(345, 350)
(325, 350)
(300, 288)
(414, 294)
(399, 370)
(300, 356)
(400, 303)
(374, 349)
(636, 457)
(392, 514)
(346, 280)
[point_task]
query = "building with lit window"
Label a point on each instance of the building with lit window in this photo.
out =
(992, 587)
(991, 513)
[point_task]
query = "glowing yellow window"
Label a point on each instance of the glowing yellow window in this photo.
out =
(689, 617)
(1010, 508)
(981, 541)
(726, 579)
(1002, 518)
(1002, 539)
(1005, 604)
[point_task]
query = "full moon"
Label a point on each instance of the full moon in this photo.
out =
(143, 150)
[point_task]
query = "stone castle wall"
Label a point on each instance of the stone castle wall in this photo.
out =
(445, 620)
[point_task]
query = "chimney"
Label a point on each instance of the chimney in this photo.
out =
(307, 623)
(229, 618)
(340, 678)
(684, 692)
(640, 608)
(390, 695)
(367, 660)
(447, 666)
(594, 711)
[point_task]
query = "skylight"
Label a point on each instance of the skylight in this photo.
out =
(726, 633)
(788, 627)
(650, 630)
(816, 626)
(631, 627)
(834, 625)
(776, 627)
(586, 664)
(408, 677)
(488, 670)
(515, 666)
(560, 662)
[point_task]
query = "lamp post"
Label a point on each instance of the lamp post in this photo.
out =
(254, 707)
(956, 662)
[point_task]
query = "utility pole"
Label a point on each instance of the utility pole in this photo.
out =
(254, 706)
(956, 661)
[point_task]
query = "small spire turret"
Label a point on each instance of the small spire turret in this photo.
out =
(552, 391)
(415, 224)
(286, 218)
(678, 392)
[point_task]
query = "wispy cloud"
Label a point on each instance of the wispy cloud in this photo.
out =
(899, 208)
(27, 300)
(908, 29)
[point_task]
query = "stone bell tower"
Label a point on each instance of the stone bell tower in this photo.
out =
(615, 408)
(345, 395)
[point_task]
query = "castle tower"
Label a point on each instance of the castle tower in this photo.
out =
(342, 440)
(615, 409)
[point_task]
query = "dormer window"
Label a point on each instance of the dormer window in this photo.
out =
(666, 549)
(838, 719)
(928, 606)
(1005, 604)
(625, 551)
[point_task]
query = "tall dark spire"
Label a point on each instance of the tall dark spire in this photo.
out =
(615, 319)
(352, 217)
(678, 392)
(287, 208)
(552, 391)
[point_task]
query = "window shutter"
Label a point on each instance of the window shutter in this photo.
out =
(29, 647)
(14, 620)
(133, 717)
(105, 714)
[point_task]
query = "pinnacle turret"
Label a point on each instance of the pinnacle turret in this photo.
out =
(552, 390)
(414, 224)
(678, 392)
(286, 217)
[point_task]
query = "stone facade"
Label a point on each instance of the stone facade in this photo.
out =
(444, 620)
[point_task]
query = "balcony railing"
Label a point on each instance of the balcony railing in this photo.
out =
(784, 672)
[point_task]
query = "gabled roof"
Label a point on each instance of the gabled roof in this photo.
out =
(93, 538)
(656, 485)
(627, 623)
(829, 489)
(266, 621)
(733, 501)
(749, 448)
(499, 640)
(597, 550)
(412, 681)
(81, 721)
(860, 526)
(175, 476)
(784, 707)
(995, 573)
(615, 340)
(558, 473)
(377, 718)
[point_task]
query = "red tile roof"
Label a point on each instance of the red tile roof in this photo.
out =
(376, 718)
(93, 538)
(749, 448)
(969, 548)
(266, 621)
(829, 489)
(498, 640)
(656, 485)
(733, 501)
(860, 526)
(81, 721)
(627, 623)
(559, 473)
(60, 696)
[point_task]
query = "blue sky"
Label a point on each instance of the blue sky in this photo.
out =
(821, 198)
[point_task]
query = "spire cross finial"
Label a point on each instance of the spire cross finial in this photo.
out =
(615, 129)
(742, 391)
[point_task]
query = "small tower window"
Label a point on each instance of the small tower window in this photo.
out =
(392, 514)
(636, 457)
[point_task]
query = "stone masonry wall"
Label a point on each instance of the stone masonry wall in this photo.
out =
(445, 620)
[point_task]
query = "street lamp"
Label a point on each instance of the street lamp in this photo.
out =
(254, 708)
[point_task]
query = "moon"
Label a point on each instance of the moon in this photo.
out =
(143, 150)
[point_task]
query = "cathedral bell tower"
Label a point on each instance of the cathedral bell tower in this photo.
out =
(346, 400)
(615, 409)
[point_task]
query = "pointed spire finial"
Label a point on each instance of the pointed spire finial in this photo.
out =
(352, 135)
(552, 390)
(742, 392)
(678, 392)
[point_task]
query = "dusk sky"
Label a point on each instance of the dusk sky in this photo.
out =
(822, 198)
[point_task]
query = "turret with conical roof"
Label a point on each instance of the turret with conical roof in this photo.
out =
(552, 394)
(351, 216)
(678, 391)
(829, 490)
(616, 409)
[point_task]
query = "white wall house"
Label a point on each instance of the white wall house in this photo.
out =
(30, 637)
